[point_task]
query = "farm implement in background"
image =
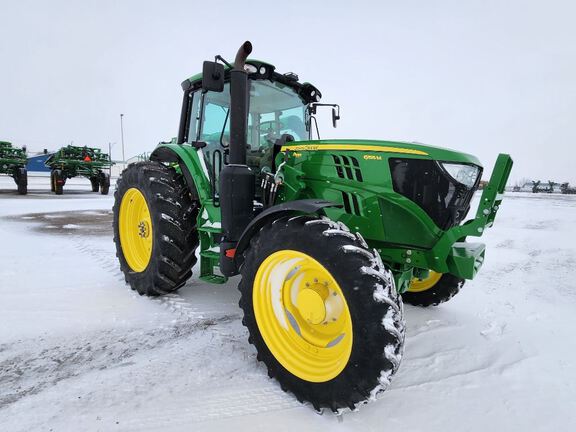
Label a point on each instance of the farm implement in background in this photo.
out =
(13, 163)
(73, 161)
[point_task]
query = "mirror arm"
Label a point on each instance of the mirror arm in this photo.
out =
(223, 60)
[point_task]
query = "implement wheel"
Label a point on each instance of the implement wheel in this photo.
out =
(154, 228)
(104, 183)
(431, 291)
(21, 179)
(52, 184)
(322, 312)
(58, 181)
(95, 182)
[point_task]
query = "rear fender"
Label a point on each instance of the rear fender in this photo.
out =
(191, 164)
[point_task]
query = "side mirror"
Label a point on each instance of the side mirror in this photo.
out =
(45, 151)
(335, 115)
(212, 77)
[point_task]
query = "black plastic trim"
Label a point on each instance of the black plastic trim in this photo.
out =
(305, 206)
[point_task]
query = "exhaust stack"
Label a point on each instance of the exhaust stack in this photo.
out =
(237, 181)
(239, 98)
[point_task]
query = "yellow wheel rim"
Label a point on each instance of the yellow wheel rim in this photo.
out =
(302, 315)
(419, 285)
(135, 226)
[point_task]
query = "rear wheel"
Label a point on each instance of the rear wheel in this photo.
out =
(431, 291)
(322, 312)
(154, 228)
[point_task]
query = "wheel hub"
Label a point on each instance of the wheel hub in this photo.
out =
(143, 229)
(135, 226)
(311, 306)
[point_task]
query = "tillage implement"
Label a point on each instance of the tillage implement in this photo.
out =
(73, 161)
(13, 162)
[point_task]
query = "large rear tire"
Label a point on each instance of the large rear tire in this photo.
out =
(155, 228)
(322, 311)
(433, 290)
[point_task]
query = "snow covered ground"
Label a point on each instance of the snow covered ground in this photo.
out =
(80, 351)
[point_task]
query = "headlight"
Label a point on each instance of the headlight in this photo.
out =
(465, 174)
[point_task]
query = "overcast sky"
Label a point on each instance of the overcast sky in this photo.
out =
(479, 76)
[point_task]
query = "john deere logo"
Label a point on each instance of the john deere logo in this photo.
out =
(372, 157)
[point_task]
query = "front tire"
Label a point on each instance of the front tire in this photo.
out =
(322, 312)
(433, 290)
(154, 228)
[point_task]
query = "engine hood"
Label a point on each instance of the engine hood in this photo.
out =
(391, 148)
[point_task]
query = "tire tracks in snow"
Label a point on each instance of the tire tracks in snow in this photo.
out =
(34, 365)
(109, 262)
(226, 403)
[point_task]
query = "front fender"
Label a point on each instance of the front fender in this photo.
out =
(304, 206)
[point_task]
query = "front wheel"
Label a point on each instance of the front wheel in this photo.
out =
(432, 290)
(322, 312)
(154, 228)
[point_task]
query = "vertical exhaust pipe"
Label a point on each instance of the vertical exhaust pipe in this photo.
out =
(239, 99)
(237, 181)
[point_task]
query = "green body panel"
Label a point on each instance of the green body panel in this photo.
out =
(70, 160)
(402, 232)
(11, 158)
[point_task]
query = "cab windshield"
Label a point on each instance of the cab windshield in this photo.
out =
(274, 109)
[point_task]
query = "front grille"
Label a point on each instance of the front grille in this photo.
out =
(348, 167)
(423, 181)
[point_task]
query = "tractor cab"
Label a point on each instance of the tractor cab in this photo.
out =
(279, 108)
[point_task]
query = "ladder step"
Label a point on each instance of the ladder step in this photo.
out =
(210, 254)
(210, 229)
(215, 279)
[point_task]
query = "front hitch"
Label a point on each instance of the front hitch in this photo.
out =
(452, 254)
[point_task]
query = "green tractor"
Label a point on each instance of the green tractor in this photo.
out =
(13, 162)
(328, 236)
(72, 161)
